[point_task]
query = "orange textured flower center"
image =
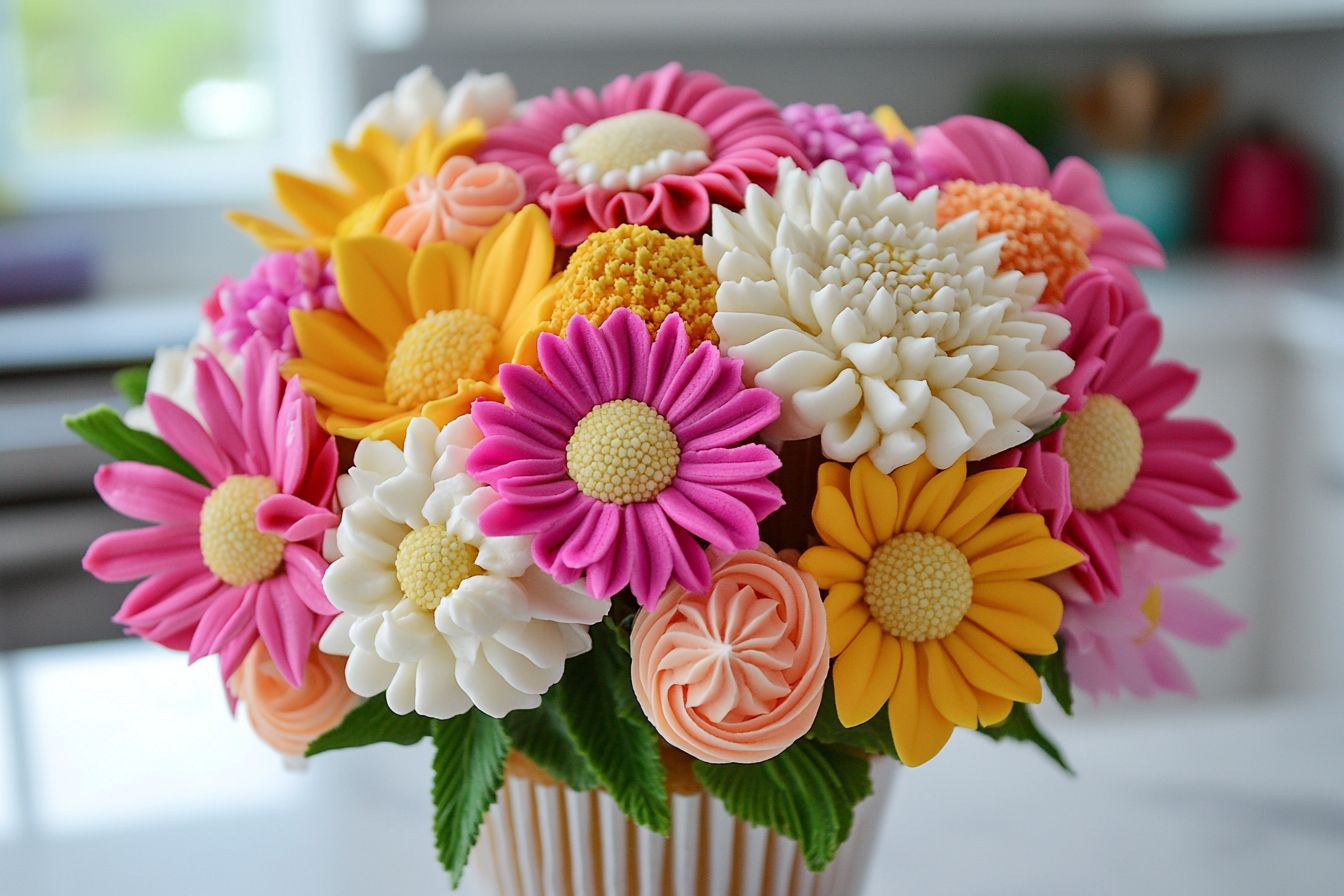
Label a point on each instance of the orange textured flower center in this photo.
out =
(622, 452)
(918, 586)
(1104, 448)
(231, 546)
(642, 269)
(431, 564)
(1044, 236)
(437, 351)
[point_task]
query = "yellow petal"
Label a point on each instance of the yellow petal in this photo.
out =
(415, 155)
(269, 235)
(948, 688)
(834, 475)
(319, 208)
(1018, 632)
(1036, 558)
(875, 500)
(513, 261)
(910, 481)
(991, 708)
(1005, 532)
(332, 340)
(846, 613)
(384, 149)
(1033, 600)
(834, 521)
(525, 349)
(371, 274)
(918, 729)
(392, 429)
(449, 408)
(439, 278)
(983, 495)
(462, 140)
(865, 675)
(830, 566)
(316, 373)
(527, 317)
(361, 169)
(991, 665)
(935, 499)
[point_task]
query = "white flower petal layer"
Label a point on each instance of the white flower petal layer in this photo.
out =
(420, 98)
(882, 332)
(498, 641)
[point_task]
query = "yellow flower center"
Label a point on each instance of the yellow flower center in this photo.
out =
(1044, 236)
(642, 269)
(918, 586)
(431, 564)
(634, 139)
(1152, 609)
(622, 452)
(435, 352)
(231, 546)
(1104, 448)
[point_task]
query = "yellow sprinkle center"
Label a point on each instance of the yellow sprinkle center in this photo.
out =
(231, 546)
(1104, 448)
(622, 142)
(431, 564)
(622, 452)
(1152, 609)
(645, 270)
(435, 352)
(918, 586)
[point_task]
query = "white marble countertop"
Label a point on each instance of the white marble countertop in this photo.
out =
(127, 776)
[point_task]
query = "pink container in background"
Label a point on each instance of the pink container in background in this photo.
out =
(1264, 195)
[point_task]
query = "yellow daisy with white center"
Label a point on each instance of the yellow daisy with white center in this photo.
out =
(932, 597)
(434, 613)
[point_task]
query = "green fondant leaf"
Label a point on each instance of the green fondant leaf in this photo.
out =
(104, 429)
(469, 754)
(372, 722)
(541, 735)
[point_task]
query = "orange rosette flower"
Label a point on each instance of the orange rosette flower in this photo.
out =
(459, 204)
(735, 675)
(288, 719)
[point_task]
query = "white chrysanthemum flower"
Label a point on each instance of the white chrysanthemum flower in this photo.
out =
(172, 374)
(420, 97)
(882, 332)
(433, 612)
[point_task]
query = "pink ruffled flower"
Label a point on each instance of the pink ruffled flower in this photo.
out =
(240, 557)
(260, 303)
(1122, 468)
(624, 454)
(704, 144)
(856, 141)
(1122, 644)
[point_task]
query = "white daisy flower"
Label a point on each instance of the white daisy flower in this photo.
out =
(433, 612)
(420, 97)
(882, 332)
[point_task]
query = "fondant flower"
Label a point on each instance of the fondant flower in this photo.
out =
(1121, 644)
(459, 204)
(855, 141)
(435, 613)
(419, 98)
(1056, 223)
(625, 453)
(887, 335)
(172, 375)
(657, 149)
(734, 674)
(424, 332)
(287, 718)
(237, 558)
(261, 302)
(1122, 467)
(931, 597)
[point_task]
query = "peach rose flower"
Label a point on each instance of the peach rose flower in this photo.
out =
(734, 675)
(289, 719)
(460, 204)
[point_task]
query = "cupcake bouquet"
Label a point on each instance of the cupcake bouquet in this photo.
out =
(656, 439)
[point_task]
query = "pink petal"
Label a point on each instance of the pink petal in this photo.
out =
(231, 613)
(1156, 390)
(1128, 242)
(658, 546)
(736, 420)
(723, 521)
(1187, 478)
(189, 439)
(262, 385)
(761, 496)
(611, 572)
(1164, 667)
(134, 553)
(150, 493)
(1202, 437)
(594, 538)
(1076, 183)
(1092, 535)
(588, 349)
(1131, 350)
(176, 596)
(294, 519)
(1167, 522)
(538, 409)
(628, 341)
(304, 568)
(221, 408)
(669, 351)
(1195, 617)
(285, 626)
(566, 369)
(983, 151)
(713, 466)
(690, 566)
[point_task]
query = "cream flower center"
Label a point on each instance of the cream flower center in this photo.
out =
(622, 452)
(431, 564)
(628, 151)
(435, 352)
(231, 546)
(1104, 449)
(918, 586)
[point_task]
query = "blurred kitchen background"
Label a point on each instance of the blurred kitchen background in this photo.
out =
(128, 126)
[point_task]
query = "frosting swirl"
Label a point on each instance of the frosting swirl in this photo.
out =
(461, 203)
(734, 675)
(286, 718)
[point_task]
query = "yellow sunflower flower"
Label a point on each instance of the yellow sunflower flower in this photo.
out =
(931, 597)
(377, 170)
(424, 332)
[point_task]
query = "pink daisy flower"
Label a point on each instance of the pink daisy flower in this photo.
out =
(626, 453)
(659, 149)
(1058, 222)
(261, 301)
(1122, 468)
(238, 558)
(856, 141)
(1122, 644)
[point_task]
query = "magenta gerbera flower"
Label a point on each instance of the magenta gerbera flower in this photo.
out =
(1122, 468)
(659, 149)
(625, 455)
(240, 557)
(260, 303)
(1057, 223)
(856, 141)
